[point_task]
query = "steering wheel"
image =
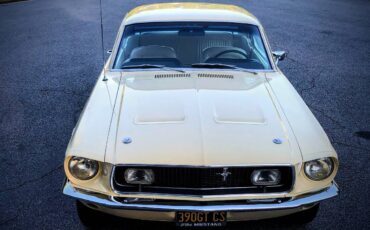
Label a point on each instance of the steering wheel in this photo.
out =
(231, 51)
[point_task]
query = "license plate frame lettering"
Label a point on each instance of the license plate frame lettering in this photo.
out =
(201, 219)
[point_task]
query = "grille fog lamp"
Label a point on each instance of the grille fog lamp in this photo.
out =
(266, 177)
(139, 176)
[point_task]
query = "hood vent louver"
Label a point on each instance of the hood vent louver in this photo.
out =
(216, 75)
(172, 75)
(201, 75)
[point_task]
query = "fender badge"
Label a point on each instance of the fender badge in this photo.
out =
(277, 141)
(126, 140)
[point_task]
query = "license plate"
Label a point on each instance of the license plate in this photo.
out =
(201, 219)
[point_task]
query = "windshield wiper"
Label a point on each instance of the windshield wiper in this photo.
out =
(221, 66)
(147, 66)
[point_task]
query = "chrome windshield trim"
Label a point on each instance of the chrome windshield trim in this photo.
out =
(110, 202)
(120, 36)
(190, 70)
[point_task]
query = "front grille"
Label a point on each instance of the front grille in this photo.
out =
(202, 180)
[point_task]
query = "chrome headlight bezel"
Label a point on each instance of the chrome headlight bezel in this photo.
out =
(138, 176)
(83, 168)
(324, 168)
(270, 177)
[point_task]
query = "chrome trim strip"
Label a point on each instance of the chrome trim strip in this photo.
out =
(189, 69)
(171, 196)
(108, 201)
(201, 166)
(200, 189)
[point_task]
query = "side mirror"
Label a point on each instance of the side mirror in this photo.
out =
(279, 56)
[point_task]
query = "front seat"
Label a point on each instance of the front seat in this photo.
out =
(153, 51)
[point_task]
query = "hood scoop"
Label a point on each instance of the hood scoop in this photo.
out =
(207, 75)
(159, 108)
(172, 75)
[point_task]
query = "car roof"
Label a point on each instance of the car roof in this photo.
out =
(190, 11)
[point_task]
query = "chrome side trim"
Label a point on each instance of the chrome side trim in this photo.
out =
(107, 201)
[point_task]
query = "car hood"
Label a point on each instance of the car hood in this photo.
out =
(199, 120)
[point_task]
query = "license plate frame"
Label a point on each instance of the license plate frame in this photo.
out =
(201, 219)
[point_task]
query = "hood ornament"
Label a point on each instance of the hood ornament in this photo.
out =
(126, 140)
(225, 173)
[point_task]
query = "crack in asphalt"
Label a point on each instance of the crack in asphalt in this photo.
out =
(298, 62)
(22, 208)
(350, 146)
(312, 82)
(312, 85)
(33, 180)
(18, 213)
(324, 114)
(47, 90)
(65, 91)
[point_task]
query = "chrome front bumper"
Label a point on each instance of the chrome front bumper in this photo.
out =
(268, 210)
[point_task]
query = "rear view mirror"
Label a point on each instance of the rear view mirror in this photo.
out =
(279, 56)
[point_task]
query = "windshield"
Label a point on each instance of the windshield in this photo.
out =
(187, 43)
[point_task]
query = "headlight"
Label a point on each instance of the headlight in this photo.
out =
(266, 177)
(82, 168)
(139, 176)
(319, 169)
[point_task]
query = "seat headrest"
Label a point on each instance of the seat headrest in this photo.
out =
(153, 51)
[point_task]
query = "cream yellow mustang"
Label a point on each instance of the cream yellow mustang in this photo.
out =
(193, 122)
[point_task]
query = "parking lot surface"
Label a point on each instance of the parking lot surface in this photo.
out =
(50, 57)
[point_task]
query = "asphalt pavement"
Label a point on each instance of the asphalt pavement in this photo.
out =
(50, 57)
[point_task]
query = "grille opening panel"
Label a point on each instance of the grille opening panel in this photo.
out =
(202, 180)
